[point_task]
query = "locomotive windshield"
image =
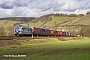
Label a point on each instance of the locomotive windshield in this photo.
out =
(16, 28)
(25, 29)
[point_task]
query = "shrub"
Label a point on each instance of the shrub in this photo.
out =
(85, 31)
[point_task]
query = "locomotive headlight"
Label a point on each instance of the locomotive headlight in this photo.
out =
(17, 31)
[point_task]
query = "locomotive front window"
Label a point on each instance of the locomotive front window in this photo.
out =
(16, 28)
(25, 29)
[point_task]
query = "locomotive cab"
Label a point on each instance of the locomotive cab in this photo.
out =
(22, 31)
(17, 31)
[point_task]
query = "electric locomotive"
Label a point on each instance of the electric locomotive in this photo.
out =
(22, 31)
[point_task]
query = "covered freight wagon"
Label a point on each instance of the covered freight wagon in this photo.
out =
(56, 33)
(36, 31)
(42, 31)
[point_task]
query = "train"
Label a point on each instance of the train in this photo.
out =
(27, 31)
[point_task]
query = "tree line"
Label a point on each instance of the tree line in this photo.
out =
(21, 19)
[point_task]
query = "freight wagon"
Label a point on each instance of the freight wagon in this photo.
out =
(36, 31)
(42, 32)
(48, 32)
(52, 33)
(61, 33)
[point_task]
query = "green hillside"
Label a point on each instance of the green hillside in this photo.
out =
(21, 19)
(63, 20)
(53, 21)
(13, 21)
(65, 23)
(84, 20)
(6, 23)
(50, 21)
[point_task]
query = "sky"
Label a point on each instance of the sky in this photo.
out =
(37, 8)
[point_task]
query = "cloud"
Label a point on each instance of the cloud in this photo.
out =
(6, 4)
(68, 6)
(5, 12)
(36, 8)
(45, 6)
(9, 4)
(20, 3)
(85, 4)
(24, 11)
(58, 5)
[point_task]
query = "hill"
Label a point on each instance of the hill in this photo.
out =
(21, 19)
(84, 20)
(71, 23)
(51, 20)
(65, 23)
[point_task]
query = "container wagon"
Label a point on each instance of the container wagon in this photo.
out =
(47, 32)
(61, 33)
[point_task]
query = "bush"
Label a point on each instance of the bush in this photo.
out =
(10, 31)
(2, 31)
(85, 31)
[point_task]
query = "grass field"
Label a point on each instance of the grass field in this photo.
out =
(48, 49)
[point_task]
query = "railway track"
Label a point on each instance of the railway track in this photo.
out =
(15, 38)
(23, 38)
(5, 38)
(20, 38)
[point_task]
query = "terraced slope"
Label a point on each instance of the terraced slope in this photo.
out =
(84, 20)
(64, 20)
(57, 21)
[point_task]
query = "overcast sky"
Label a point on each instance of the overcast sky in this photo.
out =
(36, 8)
